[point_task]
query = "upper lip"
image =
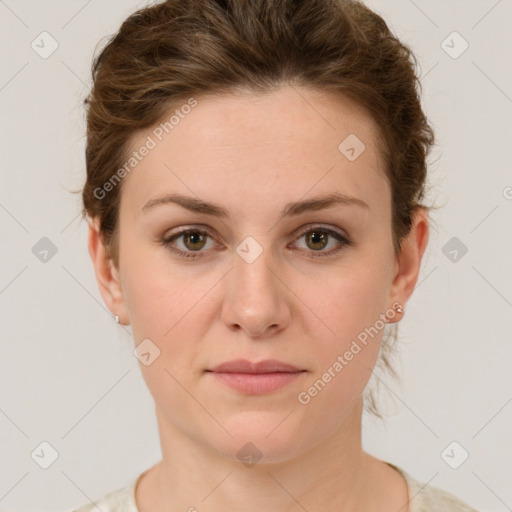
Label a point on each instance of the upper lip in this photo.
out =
(245, 366)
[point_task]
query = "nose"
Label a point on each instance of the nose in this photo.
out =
(256, 300)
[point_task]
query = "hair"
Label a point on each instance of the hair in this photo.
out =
(167, 53)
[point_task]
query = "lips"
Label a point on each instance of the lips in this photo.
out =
(245, 366)
(256, 378)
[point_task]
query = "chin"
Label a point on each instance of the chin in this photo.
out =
(260, 437)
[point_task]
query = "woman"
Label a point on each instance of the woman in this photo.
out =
(255, 176)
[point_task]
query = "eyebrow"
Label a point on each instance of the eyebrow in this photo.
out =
(296, 208)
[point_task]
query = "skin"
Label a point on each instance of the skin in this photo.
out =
(252, 154)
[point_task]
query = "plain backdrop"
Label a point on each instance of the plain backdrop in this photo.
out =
(68, 375)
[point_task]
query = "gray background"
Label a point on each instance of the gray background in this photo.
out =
(68, 374)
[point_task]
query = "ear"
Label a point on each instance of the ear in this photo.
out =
(408, 262)
(107, 275)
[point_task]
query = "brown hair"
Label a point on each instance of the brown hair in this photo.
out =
(167, 53)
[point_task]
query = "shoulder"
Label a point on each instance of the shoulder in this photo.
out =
(119, 500)
(427, 498)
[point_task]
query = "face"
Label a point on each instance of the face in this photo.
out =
(264, 279)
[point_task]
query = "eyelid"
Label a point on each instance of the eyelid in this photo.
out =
(182, 230)
(168, 238)
(315, 225)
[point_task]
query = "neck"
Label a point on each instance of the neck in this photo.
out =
(332, 474)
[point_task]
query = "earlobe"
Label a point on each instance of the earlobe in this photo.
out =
(410, 257)
(107, 275)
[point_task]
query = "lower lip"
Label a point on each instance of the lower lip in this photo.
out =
(257, 383)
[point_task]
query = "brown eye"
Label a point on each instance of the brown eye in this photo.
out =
(194, 240)
(192, 243)
(316, 239)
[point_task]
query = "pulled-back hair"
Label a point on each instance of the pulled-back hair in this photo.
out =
(167, 53)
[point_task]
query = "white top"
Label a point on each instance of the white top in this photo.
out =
(422, 498)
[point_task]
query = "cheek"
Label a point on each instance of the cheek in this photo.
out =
(351, 307)
(351, 300)
(157, 293)
(169, 305)
(165, 307)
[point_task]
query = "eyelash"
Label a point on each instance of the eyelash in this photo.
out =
(345, 242)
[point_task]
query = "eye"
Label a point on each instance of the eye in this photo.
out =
(194, 241)
(318, 238)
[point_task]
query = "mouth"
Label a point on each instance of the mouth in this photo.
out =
(255, 378)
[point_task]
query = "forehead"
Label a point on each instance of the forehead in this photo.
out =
(273, 147)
